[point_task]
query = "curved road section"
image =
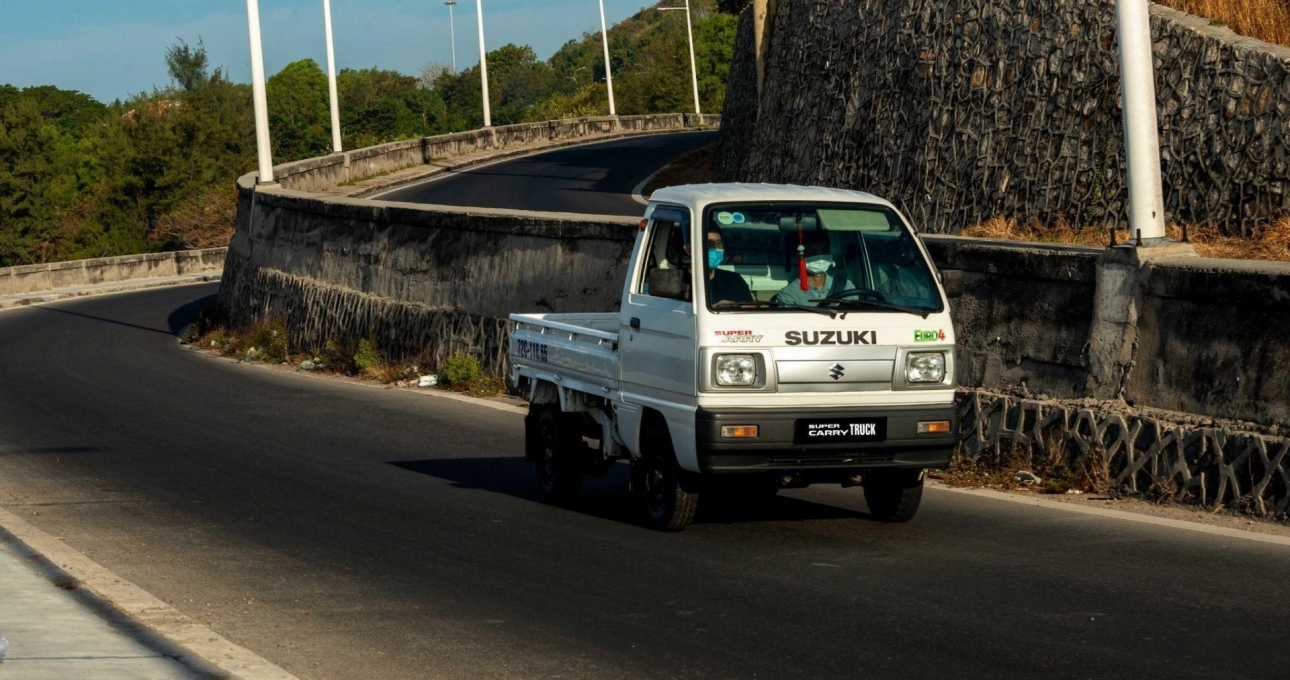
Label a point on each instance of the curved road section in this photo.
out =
(346, 531)
(593, 178)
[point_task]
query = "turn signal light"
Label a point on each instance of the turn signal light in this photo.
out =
(934, 427)
(739, 431)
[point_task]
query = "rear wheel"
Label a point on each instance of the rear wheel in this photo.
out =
(656, 480)
(558, 443)
(893, 495)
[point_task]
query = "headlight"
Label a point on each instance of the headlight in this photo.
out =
(736, 370)
(925, 367)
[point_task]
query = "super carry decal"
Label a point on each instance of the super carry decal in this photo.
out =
(793, 338)
(737, 337)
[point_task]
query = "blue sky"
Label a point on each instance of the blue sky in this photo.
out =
(112, 48)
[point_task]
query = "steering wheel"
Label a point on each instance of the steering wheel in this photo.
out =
(861, 293)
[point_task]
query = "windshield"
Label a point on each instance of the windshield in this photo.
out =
(853, 256)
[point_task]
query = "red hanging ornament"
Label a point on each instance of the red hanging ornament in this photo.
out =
(801, 256)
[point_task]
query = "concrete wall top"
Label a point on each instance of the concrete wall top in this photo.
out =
(31, 278)
(314, 174)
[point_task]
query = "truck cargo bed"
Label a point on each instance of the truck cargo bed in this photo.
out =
(579, 351)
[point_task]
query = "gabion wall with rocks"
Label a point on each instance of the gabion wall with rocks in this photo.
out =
(964, 110)
(1184, 462)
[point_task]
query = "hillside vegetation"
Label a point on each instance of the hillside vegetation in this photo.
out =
(1267, 20)
(80, 178)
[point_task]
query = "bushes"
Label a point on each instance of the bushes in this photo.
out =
(268, 340)
(460, 368)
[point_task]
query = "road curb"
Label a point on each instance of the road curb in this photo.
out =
(207, 647)
(1129, 516)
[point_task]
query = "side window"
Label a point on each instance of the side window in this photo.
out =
(668, 237)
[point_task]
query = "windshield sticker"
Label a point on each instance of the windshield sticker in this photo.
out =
(929, 336)
(737, 337)
(739, 218)
(725, 218)
(793, 338)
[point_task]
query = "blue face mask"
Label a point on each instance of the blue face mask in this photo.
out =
(715, 258)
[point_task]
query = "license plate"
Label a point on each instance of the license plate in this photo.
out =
(840, 430)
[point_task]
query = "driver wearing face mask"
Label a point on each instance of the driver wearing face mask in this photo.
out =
(822, 279)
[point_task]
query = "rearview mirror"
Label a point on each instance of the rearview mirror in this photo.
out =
(668, 283)
(952, 279)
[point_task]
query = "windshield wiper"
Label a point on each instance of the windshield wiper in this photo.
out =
(878, 305)
(776, 305)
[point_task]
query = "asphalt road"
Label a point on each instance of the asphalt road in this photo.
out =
(346, 531)
(595, 178)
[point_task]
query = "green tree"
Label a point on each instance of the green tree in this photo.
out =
(299, 112)
(188, 66)
(37, 184)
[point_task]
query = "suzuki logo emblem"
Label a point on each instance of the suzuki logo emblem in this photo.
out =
(837, 371)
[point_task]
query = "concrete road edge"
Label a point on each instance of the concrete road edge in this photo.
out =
(209, 649)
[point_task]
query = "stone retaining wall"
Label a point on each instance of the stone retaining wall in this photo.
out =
(420, 279)
(962, 110)
(33, 278)
(1190, 462)
(1200, 335)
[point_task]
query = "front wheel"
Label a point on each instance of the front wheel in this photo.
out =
(893, 495)
(656, 480)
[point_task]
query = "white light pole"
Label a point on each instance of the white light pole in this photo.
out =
(1141, 135)
(483, 62)
(452, 32)
(694, 71)
(263, 148)
(609, 75)
(331, 80)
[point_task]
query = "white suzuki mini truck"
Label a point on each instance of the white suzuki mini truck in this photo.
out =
(769, 337)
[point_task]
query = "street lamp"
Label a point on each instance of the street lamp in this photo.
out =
(452, 32)
(1141, 135)
(609, 76)
(331, 80)
(263, 149)
(483, 62)
(694, 71)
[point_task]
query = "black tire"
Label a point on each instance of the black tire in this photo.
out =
(556, 448)
(656, 480)
(893, 495)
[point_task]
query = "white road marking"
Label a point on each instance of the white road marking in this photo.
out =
(1116, 514)
(210, 647)
(640, 188)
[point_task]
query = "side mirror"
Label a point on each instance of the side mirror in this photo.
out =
(952, 279)
(668, 283)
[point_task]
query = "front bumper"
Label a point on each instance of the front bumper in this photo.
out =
(775, 451)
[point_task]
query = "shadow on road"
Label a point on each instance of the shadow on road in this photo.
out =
(182, 317)
(608, 498)
(103, 319)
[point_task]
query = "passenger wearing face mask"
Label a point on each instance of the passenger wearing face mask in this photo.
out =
(822, 279)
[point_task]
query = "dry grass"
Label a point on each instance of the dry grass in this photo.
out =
(1267, 20)
(1087, 474)
(267, 341)
(1272, 242)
